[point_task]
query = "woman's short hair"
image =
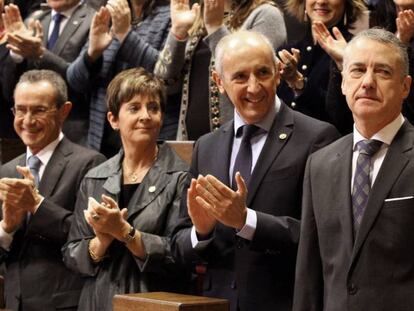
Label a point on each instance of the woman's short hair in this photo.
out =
(131, 82)
(353, 9)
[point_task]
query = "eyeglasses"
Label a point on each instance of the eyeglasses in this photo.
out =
(36, 113)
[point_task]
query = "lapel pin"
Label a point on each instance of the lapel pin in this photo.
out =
(75, 23)
(282, 136)
(152, 189)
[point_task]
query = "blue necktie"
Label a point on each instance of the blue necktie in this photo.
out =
(34, 166)
(243, 163)
(57, 18)
(362, 182)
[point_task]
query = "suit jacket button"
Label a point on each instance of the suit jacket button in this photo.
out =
(352, 289)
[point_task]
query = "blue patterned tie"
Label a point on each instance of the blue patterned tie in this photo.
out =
(362, 182)
(243, 163)
(34, 166)
(57, 18)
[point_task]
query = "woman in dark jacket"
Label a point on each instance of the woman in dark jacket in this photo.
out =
(128, 206)
(305, 87)
(122, 36)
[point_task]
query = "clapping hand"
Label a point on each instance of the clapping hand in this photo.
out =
(22, 40)
(106, 219)
(405, 26)
(221, 202)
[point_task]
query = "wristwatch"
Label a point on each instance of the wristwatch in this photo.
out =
(130, 236)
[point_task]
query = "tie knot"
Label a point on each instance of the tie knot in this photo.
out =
(57, 18)
(248, 131)
(34, 163)
(369, 146)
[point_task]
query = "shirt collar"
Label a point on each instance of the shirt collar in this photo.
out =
(264, 124)
(67, 13)
(45, 154)
(386, 134)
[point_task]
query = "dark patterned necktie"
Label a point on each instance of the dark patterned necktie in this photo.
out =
(243, 163)
(34, 166)
(57, 18)
(362, 182)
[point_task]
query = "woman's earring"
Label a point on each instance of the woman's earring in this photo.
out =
(345, 19)
(305, 17)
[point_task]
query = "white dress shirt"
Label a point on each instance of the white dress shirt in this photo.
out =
(385, 135)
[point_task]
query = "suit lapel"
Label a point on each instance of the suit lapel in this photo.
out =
(54, 168)
(391, 168)
(278, 136)
(45, 21)
(222, 153)
(71, 26)
(340, 171)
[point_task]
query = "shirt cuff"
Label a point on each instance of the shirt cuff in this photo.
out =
(195, 242)
(248, 230)
(16, 57)
(6, 239)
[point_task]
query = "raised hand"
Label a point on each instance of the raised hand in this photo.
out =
(405, 26)
(213, 15)
(25, 44)
(182, 17)
(100, 36)
(13, 22)
(334, 47)
(202, 220)
(121, 18)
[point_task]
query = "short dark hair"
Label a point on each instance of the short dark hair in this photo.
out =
(54, 79)
(132, 82)
(387, 38)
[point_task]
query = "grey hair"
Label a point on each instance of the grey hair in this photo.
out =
(55, 80)
(387, 38)
(223, 44)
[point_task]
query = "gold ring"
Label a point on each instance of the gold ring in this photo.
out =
(95, 217)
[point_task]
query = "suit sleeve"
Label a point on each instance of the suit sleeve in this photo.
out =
(138, 53)
(308, 293)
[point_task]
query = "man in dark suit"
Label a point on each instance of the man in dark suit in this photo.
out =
(248, 236)
(356, 249)
(37, 209)
(57, 40)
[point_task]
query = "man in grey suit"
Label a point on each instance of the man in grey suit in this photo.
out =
(37, 201)
(356, 249)
(58, 36)
(245, 226)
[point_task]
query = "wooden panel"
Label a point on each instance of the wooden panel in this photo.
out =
(162, 301)
(184, 149)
